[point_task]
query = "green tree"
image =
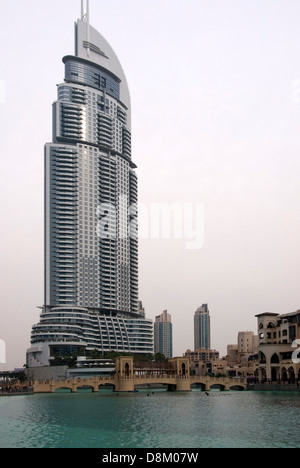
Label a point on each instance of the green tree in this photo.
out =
(22, 377)
(160, 357)
(95, 354)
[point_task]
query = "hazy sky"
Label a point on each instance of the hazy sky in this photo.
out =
(215, 88)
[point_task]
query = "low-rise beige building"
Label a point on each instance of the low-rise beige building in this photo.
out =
(248, 368)
(202, 355)
(200, 360)
(219, 366)
(239, 362)
(279, 337)
(242, 358)
(232, 355)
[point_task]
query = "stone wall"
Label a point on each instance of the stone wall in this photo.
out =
(274, 388)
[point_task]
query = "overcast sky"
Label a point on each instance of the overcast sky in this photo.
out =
(215, 88)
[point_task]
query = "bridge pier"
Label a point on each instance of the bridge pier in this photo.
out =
(74, 386)
(96, 384)
(124, 374)
(124, 385)
(183, 385)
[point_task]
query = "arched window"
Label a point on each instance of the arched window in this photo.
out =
(262, 358)
(183, 369)
(275, 359)
(284, 374)
(274, 374)
(291, 373)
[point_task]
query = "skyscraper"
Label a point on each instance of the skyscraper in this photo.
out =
(163, 335)
(91, 194)
(202, 328)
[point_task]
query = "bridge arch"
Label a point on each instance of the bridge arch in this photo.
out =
(85, 387)
(59, 389)
(237, 388)
(106, 386)
(217, 386)
(169, 383)
(201, 384)
(172, 388)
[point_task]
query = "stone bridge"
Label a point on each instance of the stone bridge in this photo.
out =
(127, 378)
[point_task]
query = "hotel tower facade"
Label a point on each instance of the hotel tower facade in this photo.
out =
(91, 194)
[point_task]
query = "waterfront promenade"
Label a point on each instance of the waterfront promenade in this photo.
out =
(129, 376)
(11, 394)
(15, 390)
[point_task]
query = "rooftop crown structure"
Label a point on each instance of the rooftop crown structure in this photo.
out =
(91, 245)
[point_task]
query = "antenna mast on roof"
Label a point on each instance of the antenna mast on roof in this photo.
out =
(86, 17)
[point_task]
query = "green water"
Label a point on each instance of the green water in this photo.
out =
(162, 420)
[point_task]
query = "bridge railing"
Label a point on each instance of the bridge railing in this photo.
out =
(75, 380)
(233, 381)
(155, 376)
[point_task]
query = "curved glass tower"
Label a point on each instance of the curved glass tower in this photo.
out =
(91, 245)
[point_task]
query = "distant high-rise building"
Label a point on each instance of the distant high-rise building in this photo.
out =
(91, 194)
(142, 311)
(202, 328)
(163, 335)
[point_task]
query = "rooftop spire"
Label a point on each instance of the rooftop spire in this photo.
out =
(85, 16)
(85, 10)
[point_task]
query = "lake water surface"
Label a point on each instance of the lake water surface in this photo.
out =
(162, 420)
